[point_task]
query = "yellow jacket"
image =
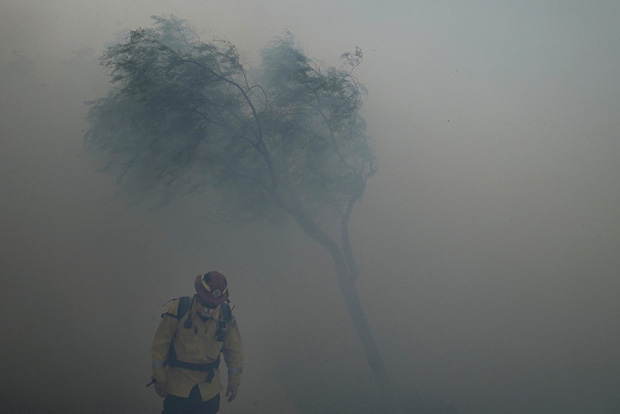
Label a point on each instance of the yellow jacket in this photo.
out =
(197, 344)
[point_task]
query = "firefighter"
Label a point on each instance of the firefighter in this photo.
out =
(186, 349)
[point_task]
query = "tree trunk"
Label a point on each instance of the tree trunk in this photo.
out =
(346, 274)
(349, 292)
(346, 281)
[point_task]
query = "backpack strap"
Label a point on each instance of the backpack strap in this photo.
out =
(184, 305)
(209, 368)
(226, 312)
(223, 322)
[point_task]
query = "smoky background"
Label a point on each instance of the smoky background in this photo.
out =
(487, 241)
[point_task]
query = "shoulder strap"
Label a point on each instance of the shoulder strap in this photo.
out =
(223, 322)
(226, 312)
(182, 308)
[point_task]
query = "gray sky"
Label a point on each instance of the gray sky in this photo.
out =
(488, 241)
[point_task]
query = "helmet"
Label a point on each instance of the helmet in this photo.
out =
(212, 287)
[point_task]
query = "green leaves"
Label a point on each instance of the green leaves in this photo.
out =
(319, 131)
(184, 113)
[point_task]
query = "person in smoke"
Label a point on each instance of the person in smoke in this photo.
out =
(186, 349)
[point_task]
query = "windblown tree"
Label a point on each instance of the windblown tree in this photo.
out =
(284, 139)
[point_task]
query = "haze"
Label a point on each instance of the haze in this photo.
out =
(488, 241)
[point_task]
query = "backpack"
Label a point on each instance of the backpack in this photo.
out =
(185, 304)
(222, 327)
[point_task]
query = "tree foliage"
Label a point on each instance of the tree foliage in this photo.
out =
(186, 114)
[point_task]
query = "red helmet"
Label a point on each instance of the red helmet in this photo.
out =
(212, 287)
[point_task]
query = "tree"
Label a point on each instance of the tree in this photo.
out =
(186, 115)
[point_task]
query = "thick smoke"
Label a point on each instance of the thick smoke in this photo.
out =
(487, 241)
